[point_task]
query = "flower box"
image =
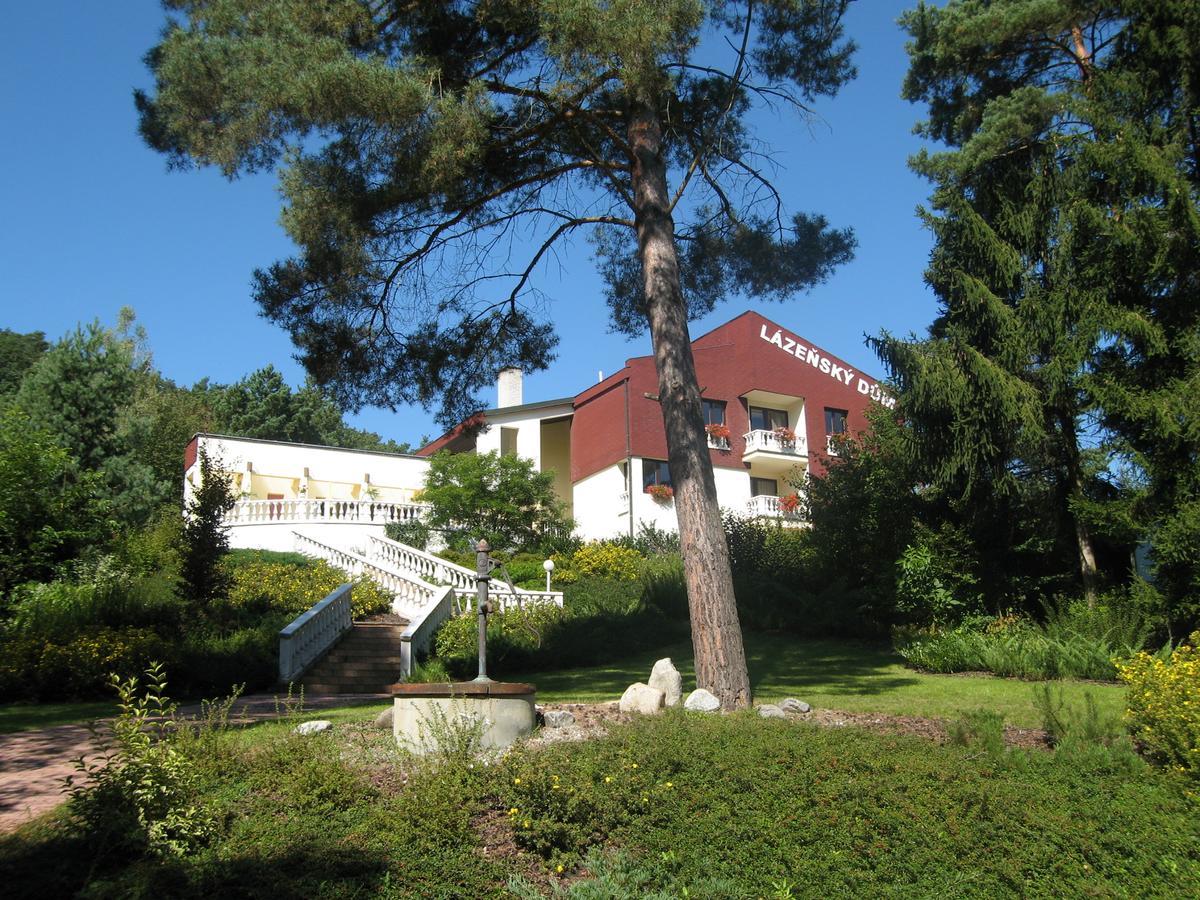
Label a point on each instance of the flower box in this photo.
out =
(661, 492)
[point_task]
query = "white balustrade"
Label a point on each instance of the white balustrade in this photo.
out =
(405, 558)
(772, 442)
(313, 632)
(769, 506)
(410, 592)
(370, 512)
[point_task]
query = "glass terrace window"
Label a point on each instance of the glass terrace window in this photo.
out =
(835, 421)
(763, 487)
(655, 471)
(763, 419)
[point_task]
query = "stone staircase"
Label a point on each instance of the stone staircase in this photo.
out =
(365, 661)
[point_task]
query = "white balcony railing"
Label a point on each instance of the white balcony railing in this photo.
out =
(371, 512)
(771, 442)
(718, 443)
(768, 506)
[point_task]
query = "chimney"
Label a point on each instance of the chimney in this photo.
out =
(508, 388)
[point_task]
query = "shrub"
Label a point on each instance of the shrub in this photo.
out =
(60, 611)
(1164, 704)
(1014, 647)
(602, 597)
(413, 532)
(142, 794)
(606, 559)
(213, 662)
(258, 588)
(933, 582)
(34, 668)
(515, 632)
(664, 588)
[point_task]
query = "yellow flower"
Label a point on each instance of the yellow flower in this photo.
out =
(516, 781)
(607, 779)
(670, 784)
(558, 868)
(513, 811)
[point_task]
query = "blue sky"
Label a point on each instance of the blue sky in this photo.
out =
(91, 220)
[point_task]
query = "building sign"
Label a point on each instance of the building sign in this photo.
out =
(826, 366)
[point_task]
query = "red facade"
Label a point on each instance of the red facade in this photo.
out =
(620, 417)
(745, 354)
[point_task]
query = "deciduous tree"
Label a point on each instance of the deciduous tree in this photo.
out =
(435, 154)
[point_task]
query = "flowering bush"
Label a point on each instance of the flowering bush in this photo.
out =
(605, 559)
(33, 667)
(1163, 704)
(661, 492)
(259, 587)
(718, 431)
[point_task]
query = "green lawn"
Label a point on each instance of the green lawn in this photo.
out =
(829, 674)
(27, 716)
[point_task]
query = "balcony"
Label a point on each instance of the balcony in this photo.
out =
(766, 506)
(718, 443)
(774, 453)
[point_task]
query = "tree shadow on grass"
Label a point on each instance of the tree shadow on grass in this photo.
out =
(784, 663)
(43, 862)
(778, 663)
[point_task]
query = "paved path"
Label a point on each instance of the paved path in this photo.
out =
(33, 764)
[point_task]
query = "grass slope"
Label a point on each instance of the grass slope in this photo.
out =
(28, 716)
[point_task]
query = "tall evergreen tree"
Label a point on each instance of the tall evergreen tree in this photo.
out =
(422, 141)
(1050, 159)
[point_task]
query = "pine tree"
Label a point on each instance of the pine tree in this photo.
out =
(420, 141)
(1012, 394)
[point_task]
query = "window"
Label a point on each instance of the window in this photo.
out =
(655, 471)
(714, 411)
(762, 419)
(763, 487)
(835, 421)
(508, 441)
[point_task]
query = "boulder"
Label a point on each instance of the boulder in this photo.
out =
(641, 698)
(558, 718)
(701, 700)
(666, 678)
(384, 719)
(794, 706)
(316, 726)
(771, 711)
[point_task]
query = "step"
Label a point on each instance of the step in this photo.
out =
(346, 687)
(368, 673)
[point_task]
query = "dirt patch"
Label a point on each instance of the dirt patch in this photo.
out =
(592, 720)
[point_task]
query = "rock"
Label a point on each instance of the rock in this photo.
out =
(792, 705)
(558, 718)
(701, 700)
(316, 726)
(641, 698)
(667, 679)
(384, 719)
(771, 711)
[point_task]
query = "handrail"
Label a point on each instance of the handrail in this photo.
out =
(420, 631)
(310, 634)
(410, 593)
(426, 565)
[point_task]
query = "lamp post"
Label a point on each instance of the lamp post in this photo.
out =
(548, 565)
(483, 569)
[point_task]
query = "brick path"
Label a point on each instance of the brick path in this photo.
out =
(33, 764)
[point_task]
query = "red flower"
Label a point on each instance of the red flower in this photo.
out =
(660, 492)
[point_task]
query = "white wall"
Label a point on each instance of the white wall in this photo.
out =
(529, 434)
(600, 508)
(279, 535)
(394, 477)
(602, 512)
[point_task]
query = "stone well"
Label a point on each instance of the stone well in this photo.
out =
(422, 711)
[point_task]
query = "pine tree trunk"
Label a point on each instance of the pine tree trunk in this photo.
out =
(716, 634)
(1088, 571)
